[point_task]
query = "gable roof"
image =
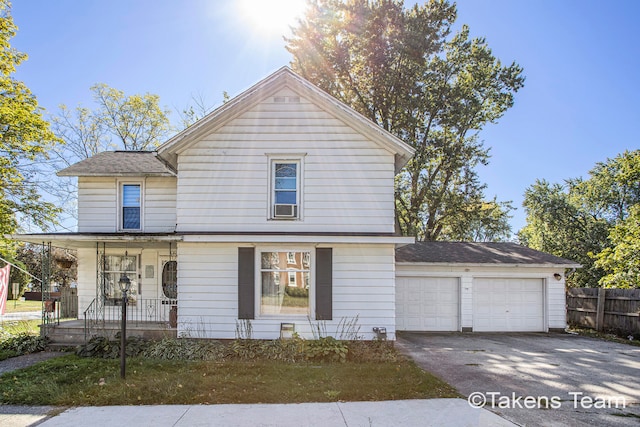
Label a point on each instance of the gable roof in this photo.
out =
(120, 163)
(478, 253)
(268, 86)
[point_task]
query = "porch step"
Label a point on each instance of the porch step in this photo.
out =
(65, 336)
(71, 333)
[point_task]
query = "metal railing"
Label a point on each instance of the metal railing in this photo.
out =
(139, 312)
(89, 320)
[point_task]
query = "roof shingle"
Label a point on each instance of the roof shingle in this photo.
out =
(477, 253)
(120, 163)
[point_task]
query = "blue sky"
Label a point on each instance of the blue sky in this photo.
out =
(581, 60)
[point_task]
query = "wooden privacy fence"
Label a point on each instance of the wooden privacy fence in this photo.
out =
(611, 310)
(68, 303)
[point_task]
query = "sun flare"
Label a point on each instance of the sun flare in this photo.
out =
(270, 16)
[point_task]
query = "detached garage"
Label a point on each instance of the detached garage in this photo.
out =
(479, 287)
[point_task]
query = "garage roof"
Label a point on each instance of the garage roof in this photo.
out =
(477, 253)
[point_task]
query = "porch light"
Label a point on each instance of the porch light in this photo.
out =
(125, 285)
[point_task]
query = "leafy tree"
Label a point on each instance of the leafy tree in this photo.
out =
(30, 258)
(400, 68)
(586, 219)
(197, 109)
(622, 260)
(490, 223)
(118, 122)
(613, 188)
(25, 140)
(558, 225)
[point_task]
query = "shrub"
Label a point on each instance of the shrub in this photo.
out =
(184, 349)
(291, 350)
(326, 349)
(22, 343)
(296, 349)
(110, 349)
(296, 292)
(372, 351)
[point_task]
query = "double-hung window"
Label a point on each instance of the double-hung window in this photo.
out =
(130, 205)
(114, 268)
(285, 188)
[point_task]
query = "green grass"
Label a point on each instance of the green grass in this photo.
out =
(14, 306)
(11, 329)
(71, 381)
(15, 327)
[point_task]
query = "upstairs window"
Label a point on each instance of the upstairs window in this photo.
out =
(131, 207)
(285, 192)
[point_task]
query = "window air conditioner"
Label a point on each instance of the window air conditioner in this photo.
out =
(285, 211)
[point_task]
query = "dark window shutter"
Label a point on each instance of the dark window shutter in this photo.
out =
(246, 283)
(324, 284)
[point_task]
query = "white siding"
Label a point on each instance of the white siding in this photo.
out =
(556, 311)
(363, 287)
(98, 204)
(160, 204)
(554, 295)
(347, 182)
(87, 273)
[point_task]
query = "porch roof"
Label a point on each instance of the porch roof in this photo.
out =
(123, 240)
(88, 240)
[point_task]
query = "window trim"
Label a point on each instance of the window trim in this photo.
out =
(273, 159)
(120, 203)
(311, 309)
(135, 291)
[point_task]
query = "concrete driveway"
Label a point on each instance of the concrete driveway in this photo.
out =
(536, 379)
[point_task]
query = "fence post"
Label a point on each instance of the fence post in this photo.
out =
(600, 309)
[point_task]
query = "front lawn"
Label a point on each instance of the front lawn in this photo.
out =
(18, 306)
(76, 381)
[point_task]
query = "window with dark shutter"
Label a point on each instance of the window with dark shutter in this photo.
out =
(324, 284)
(246, 283)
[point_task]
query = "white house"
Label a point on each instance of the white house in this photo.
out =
(277, 211)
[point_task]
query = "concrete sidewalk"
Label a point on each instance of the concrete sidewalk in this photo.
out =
(432, 412)
(21, 315)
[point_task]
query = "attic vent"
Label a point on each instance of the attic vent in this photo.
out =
(279, 99)
(294, 99)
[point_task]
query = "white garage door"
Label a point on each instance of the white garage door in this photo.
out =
(427, 303)
(508, 305)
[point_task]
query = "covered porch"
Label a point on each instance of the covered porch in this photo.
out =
(146, 262)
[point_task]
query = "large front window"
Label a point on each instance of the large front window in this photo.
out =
(131, 207)
(284, 284)
(115, 267)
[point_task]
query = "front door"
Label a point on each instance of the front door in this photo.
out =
(168, 285)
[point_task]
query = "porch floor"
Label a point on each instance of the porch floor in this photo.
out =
(72, 332)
